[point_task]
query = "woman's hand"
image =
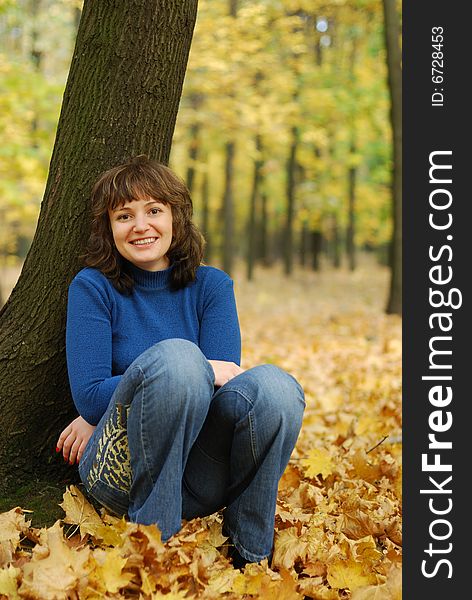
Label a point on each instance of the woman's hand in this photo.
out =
(74, 439)
(224, 371)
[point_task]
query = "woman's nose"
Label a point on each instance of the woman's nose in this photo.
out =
(140, 223)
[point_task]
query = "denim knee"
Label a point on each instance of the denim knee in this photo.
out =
(277, 392)
(178, 365)
(277, 382)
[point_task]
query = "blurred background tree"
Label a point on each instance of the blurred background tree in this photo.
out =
(283, 132)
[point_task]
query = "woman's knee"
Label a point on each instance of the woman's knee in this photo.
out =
(179, 360)
(278, 392)
(177, 368)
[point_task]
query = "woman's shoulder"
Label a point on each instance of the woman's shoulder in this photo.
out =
(90, 277)
(212, 276)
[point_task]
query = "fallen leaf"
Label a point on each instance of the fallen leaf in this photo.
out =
(108, 573)
(80, 512)
(12, 526)
(9, 582)
(55, 571)
(288, 546)
(348, 574)
(390, 590)
(318, 462)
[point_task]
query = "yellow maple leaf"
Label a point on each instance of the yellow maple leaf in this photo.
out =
(143, 539)
(148, 582)
(390, 590)
(288, 546)
(348, 574)
(222, 580)
(366, 550)
(109, 570)
(9, 582)
(249, 583)
(357, 524)
(215, 535)
(12, 525)
(285, 589)
(363, 468)
(80, 512)
(55, 570)
(318, 462)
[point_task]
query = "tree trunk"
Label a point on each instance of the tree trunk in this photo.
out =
(303, 243)
(290, 194)
(262, 237)
(316, 243)
(351, 210)
(228, 200)
(206, 218)
(251, 250)
(36, 58)
(394, 304)
(337, 243)
(192, 155)
(228, 210)
(121, 99)
(194, 143)
(352, 176)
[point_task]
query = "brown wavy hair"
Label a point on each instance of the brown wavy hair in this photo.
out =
(142, 177)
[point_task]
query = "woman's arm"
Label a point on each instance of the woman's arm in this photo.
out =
(89, 347)
(220, 337)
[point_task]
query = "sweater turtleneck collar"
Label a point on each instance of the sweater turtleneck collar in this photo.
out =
(149, 279)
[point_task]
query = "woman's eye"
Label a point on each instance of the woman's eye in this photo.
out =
(155, 211)
(123, 217)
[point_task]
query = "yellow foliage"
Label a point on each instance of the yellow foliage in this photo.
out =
(348, 574)
(12, 525)
(108, 576)
(79, 511)
(9, 582)
(55, 569)
(318, 463)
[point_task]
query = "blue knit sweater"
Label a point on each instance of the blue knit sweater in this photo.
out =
(107, 330)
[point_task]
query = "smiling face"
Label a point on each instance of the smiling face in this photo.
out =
(142, 232)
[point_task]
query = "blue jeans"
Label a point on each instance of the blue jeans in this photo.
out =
(172, 446)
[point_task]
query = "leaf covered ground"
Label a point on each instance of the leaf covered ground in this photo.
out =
(338, 521)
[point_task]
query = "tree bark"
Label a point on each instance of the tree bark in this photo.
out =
(352, 174)
(316, 244)
(351, 211)
(192, 156)
(256, 180)
(194, 143)
(228, 200)
(336, 243)
(303, 243)
(228, 210)
(262, 237)
(394, 304)
(121, 99)
(36, 58)
(205, 191)
(290, 194)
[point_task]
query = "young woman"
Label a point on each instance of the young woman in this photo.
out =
(170, 425)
